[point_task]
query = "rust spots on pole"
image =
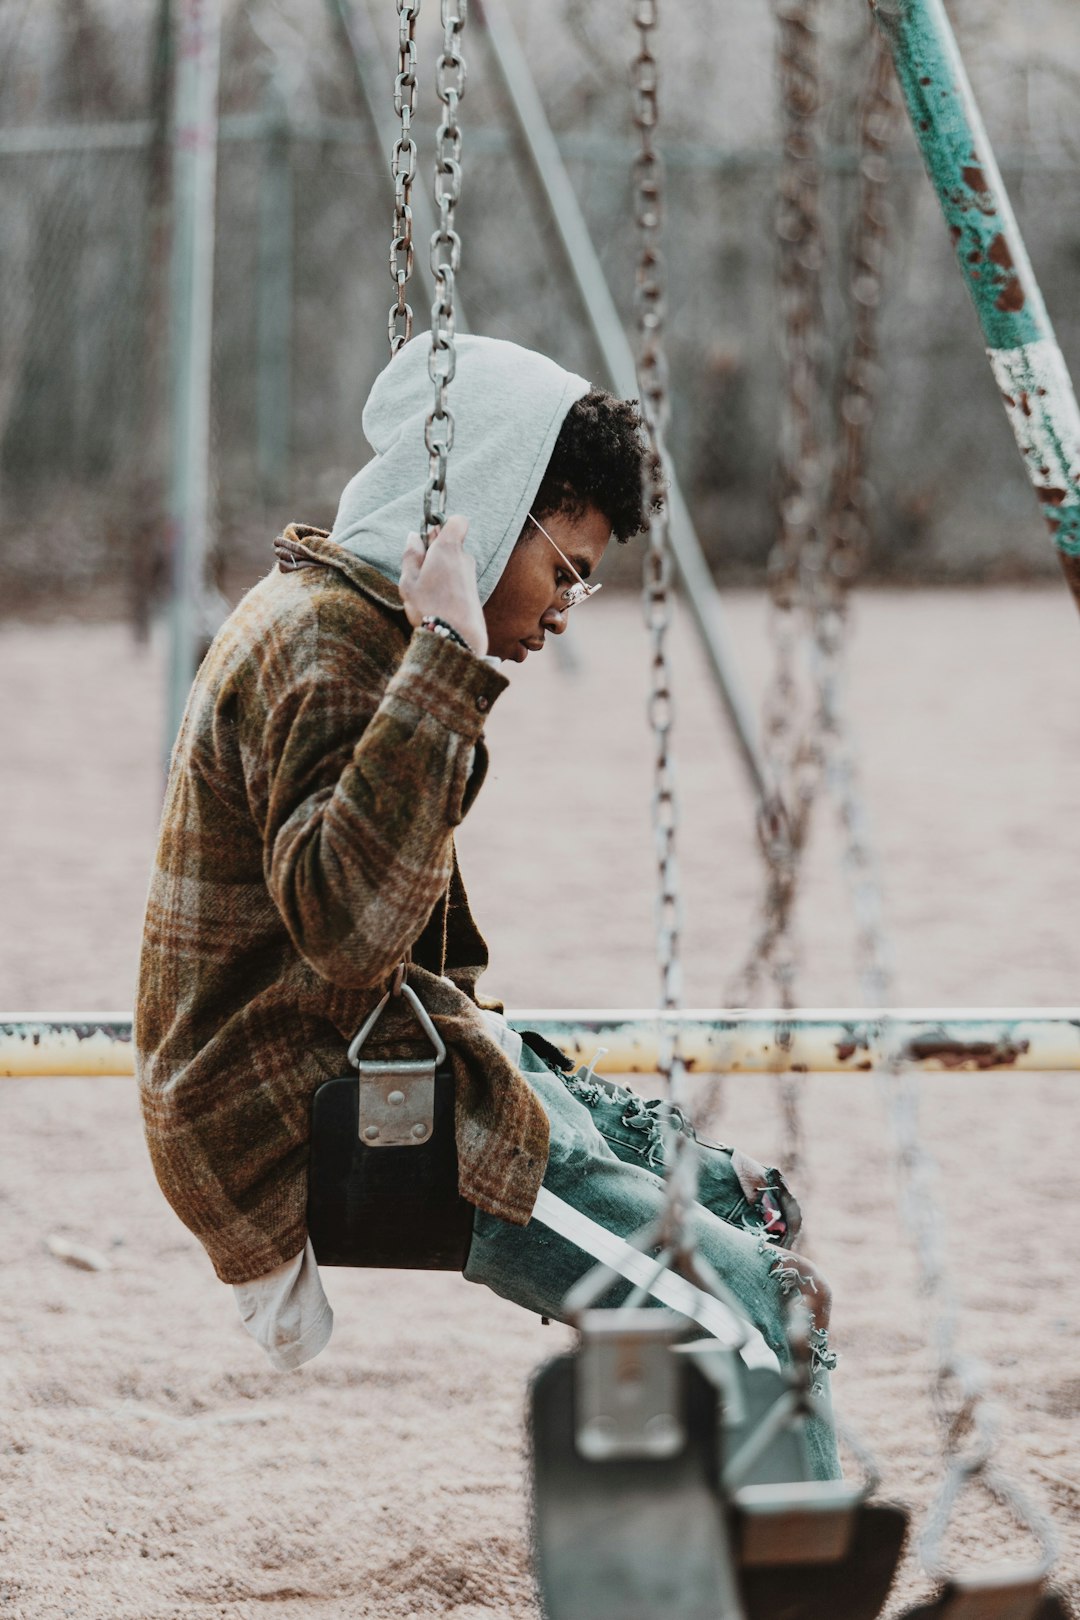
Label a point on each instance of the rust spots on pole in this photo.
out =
(956, 1054)
(961, 166)
(998, 252)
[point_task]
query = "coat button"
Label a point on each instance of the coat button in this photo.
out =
(483, 704)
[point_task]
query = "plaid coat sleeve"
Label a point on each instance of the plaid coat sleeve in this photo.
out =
(356, 785)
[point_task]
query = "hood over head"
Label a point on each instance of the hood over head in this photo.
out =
(508, 404)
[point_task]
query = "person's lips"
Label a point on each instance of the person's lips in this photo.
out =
(534, 643)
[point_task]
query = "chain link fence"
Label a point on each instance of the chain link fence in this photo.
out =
(304, 216)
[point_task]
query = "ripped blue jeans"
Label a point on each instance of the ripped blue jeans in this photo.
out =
(606, 1159)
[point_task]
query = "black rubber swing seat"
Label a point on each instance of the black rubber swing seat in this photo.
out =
(391, 1206)
(383, 1171)
(852, 1555)
(852, 1587)
(989, 1599)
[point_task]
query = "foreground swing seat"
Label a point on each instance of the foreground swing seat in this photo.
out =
(628, 1538)
(637, 1524)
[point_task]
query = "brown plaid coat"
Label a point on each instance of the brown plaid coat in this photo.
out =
(326, 755)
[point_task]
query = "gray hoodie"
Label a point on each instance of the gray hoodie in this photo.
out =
(508, 404)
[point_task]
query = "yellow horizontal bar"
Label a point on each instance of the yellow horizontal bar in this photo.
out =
(66, 1045)
(818, 1041)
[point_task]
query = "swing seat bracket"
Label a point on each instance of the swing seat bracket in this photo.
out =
(628, 1385)
(396, 1103)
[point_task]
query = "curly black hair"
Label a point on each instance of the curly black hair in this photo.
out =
(597, 462)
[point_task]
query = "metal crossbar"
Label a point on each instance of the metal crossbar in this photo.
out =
(627, 1040)
(486, 139)
(582, 262)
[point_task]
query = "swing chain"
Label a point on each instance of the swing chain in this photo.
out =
(795, 553)
(794, 751)
(817, 556)
(403, 169)
(821, 543)
(791, 742)
(650, 303)
(968, 1432)
(957, 1391)
(848, 525)
(848, 521)
(652, 372)
(445, 261)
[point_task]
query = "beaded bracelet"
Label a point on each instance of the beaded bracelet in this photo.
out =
(439, 627)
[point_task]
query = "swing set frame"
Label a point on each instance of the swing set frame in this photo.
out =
(1042, 410)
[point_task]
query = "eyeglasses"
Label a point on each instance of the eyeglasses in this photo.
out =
(571, 595)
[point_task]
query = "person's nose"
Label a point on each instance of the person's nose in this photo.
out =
(554, 619)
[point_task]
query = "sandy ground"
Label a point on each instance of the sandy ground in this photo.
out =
(152, 1466)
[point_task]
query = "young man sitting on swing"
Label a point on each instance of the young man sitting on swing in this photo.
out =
(331, 744)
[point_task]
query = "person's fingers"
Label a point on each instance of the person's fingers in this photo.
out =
(411, 558)
(454, 529)
(805, 1277)
(751, 1174)
(790, 1210)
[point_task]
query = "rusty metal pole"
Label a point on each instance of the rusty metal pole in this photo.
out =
(191, 295)
(1027, 363)
(829, 1040)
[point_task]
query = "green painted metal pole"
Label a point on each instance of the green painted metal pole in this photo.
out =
(273, 412)
(198, 58)
(1027, 363)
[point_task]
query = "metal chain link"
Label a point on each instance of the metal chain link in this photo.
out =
(652, 373)
(820, 544)
(445, 261)
(850, 495)
(847, 524)
(968, 1429)
(403, 170)
(791, 746)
